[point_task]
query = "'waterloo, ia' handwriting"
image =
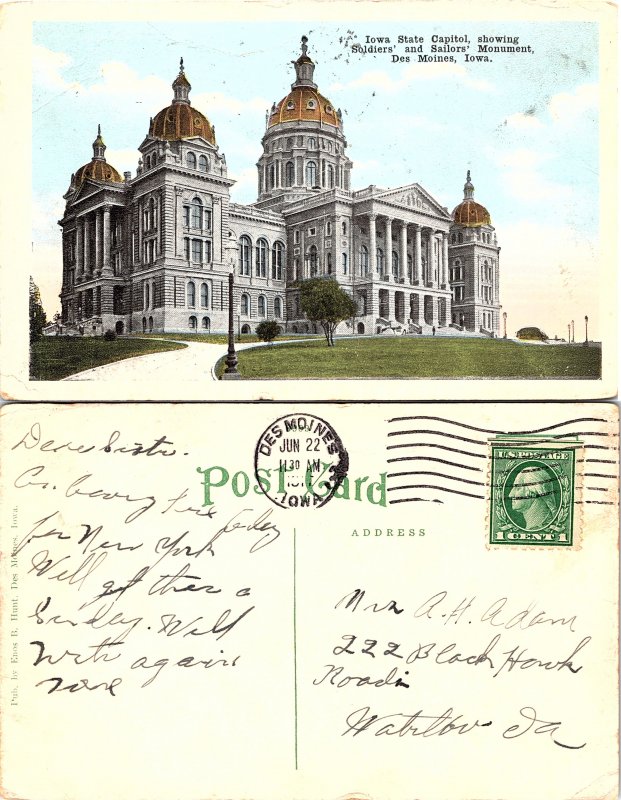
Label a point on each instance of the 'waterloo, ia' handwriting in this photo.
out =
(34, 439)
(422, 723)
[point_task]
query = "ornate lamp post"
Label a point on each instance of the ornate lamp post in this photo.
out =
(573, 331)
(586, 331)
(504, 319)
(231, 373)
(569, 333)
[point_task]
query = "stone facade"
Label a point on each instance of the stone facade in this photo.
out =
(153, 252)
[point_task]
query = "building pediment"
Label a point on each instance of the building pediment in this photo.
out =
(415, 198)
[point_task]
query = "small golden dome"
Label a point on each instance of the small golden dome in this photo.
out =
(179, 120)
(468, 212)
(98, 170)
(304, 104)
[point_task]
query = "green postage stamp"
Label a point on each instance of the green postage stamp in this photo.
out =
(533, 491)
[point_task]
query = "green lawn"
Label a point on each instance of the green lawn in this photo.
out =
(55, 357)
(405, 357)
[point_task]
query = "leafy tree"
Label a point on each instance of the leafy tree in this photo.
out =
(324, 301)
(37, 314)
(268, 330)
(532, 334)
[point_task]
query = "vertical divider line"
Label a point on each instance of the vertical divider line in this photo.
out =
(295, 650)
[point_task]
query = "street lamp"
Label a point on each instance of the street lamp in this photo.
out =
(569, 333)
(231, 373)
(573, 331)
(504, 319)
(586, 331)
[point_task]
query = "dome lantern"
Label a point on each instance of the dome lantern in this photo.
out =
(304, 68)
(181, 86)
(99, 148)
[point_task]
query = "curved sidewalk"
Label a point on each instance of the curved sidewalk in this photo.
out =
(197, 360)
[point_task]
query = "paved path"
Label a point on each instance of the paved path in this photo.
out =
(196, 359)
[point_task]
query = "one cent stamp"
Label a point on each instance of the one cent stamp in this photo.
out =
(532, 500)
(300, 461)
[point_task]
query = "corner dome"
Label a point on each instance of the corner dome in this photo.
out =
(304, 103)
(97, 168)
(468, 212)
(179, 120)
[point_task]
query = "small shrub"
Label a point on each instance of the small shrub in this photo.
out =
(268, 330)
(109, 335)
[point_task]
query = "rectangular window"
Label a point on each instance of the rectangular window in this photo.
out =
(208, 252)
(296, 237)
(186, 216)
(186, 248)
(312, 231)
(197, 250)
(344, 263)
(207, 219)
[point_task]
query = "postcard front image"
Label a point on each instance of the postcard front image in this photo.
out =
(402, 199)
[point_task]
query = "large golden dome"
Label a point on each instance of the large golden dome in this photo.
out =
(97, 168)
(468, 212)
(179, 120)
(304, 103)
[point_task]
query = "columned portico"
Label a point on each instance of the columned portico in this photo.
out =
(417, 255)
(388, 253)
(403, 254)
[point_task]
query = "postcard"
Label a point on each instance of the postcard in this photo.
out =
(310, 199)
(310, 600)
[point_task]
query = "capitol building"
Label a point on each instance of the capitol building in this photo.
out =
(153, 251)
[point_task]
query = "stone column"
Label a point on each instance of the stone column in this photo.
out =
(372, 244)
(79, 245)
(87, 259)
(403, 257)
(445, 260)
(433, 263)
(106, 267)
(388, 253)
(98, 240)
(417, 255)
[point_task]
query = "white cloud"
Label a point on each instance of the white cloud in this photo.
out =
(48, 66)
(567, 107)
(523, 179)
(209, 102)
(543, 278)
(47, 270)
(245, 188)
(123, 160)
(384, 81)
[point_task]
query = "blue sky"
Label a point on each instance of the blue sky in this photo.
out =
(526, 125)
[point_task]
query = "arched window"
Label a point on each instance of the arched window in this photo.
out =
(144, 324)
(245, 255)
(289, 173)
(272, 176)
(204, 295)
(150, 324)
(196, 213)
(330, 176)
(460, 237)
(344, 228)
(190, 160)
(329, 263)
(312, 143)
(203, 164)
(395, 263)
(149, 221)
(278, 250)
(364, 260)
(296, 269)
(262, 306)
(312, 260)
(245, 305)
(191, 294)
(205, 323)
(380, 260)
(192, 323)
(147, 300)
(311, 173)
(147, 162)
(278, 307)
(453, 238)
(328, 228)
(289, 142)
(261, 262)
(344, 262)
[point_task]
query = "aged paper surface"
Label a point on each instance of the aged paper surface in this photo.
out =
(289, 600)
(513, 101)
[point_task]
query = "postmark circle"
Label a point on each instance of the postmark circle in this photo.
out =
(300, 461)
(532, 495)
